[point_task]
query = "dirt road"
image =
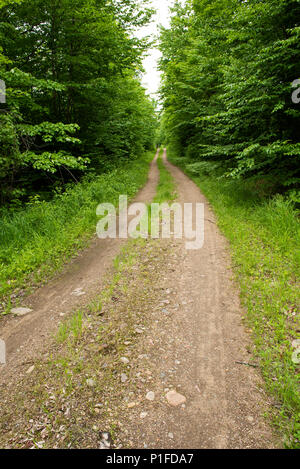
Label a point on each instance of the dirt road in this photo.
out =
(194, 338)
(202, 345)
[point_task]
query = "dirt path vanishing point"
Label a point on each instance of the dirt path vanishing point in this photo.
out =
(200, 348)
(194, 339)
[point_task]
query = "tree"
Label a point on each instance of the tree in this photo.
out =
(227, 89)
(67, 65)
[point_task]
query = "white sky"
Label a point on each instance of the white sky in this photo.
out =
(151, 79)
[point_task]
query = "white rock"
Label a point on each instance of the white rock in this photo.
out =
(123, 378)
(21, 311)
(105, 440)
(143, 415)
(175, 399)
(124, 360)
(150, 396)
(30, 370)
(170, 435)
(90, 382)
(78, 292)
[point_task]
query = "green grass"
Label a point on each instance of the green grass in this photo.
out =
(36, 242)
(264, 236)
(72, 327)
(165, 191)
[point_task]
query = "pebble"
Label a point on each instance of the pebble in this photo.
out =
(170, 435)
(30, 370)
(175, 399)
(124, 360)
(90, 382)
(78, 292)
(21, 311)
(105, 440)
(131, 405)
(124, 378)
(150, 396)
(143, 415)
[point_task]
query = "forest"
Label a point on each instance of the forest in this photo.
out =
(74, 103)
(230, 105)
(115, 341)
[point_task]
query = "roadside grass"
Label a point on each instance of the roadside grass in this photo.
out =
(264, 236)
(36, 242)
(166, 189)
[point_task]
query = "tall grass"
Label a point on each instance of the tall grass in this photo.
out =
(264, 235)
(38, 240)
(165, 191)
